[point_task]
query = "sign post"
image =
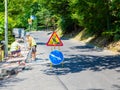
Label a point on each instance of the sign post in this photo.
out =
(6, 29)
(32, 17)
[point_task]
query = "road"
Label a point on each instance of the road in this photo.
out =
(85, 67)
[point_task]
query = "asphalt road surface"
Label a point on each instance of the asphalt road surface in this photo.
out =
(85, 67)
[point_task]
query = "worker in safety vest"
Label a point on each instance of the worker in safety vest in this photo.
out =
(15, 48)
(32, 45)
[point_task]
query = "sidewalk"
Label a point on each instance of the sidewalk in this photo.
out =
(13, 65)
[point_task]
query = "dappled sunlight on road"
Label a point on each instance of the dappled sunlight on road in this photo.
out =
(78, 63)
(81, 57)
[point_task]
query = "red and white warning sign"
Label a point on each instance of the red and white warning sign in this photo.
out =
(54, 40)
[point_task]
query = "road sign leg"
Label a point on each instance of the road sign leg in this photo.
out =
(58, 47)
(51, 48)
(50, 65)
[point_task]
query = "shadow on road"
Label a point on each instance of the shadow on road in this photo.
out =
(87, 48)
(78, 63)
(74, 63)
(41, 43)
(7, 82)
(117, 87)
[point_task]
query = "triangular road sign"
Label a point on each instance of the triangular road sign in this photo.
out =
(54, 40)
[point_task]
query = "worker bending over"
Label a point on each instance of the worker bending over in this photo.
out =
(32, 45)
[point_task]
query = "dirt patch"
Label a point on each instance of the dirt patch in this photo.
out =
(102, 42)
(115, 46)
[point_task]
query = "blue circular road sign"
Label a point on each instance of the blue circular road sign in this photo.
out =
(32, 17)
(56, 57)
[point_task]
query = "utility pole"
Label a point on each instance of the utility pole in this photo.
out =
(6, 29)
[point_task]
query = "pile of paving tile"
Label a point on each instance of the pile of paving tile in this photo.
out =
(13, 66)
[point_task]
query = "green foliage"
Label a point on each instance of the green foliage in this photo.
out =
(100, 17)
(115, 18)
(66, 24)
(93, 14)
(1, 5)
(1, 26)
(1, 23)
(18, 14)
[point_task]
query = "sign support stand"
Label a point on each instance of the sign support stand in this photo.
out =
(56, 57)
(51, 65)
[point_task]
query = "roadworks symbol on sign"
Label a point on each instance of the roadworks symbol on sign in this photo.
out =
(54, 40)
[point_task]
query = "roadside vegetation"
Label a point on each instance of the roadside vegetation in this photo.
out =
(97, 21)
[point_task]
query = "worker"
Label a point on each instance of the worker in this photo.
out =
(31, 45)
(15, 48)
